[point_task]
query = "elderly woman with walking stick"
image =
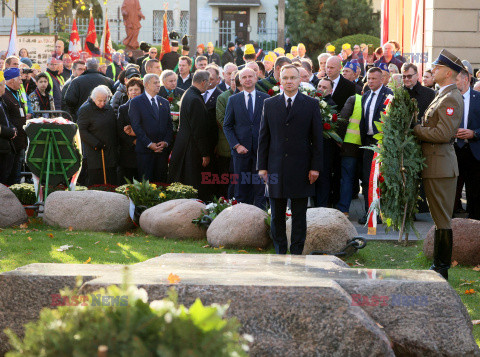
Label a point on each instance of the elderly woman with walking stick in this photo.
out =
(97, 125)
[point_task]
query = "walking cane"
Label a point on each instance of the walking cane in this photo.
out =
(104, 173)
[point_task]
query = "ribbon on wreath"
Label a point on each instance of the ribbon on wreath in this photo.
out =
(373, 196)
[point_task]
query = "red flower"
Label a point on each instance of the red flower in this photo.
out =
(170, 99)
(270, 92)
(234, 202)
(334, 118)
(278, 83)
(318, 94)
(378, 191)
(327, 126)
(381, 179)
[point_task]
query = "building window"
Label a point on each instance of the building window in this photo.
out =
(184, 22)
(262, 23)
(158, 24)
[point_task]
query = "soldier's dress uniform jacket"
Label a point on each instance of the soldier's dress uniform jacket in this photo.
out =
(437, 131)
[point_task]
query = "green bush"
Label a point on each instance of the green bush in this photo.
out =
(161, 328)
(177, 190)
(356, 40)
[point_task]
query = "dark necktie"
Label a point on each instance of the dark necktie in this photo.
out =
(461, 142)
(367, 112)
(289, 105)
(205, 96)
(155, 107)
(250, 106)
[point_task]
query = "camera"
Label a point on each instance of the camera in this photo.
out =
(27, 70)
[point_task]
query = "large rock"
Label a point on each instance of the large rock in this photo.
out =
(466, 241)
(88, 210)
(328, 230)
(173, 219)
(239, 226)
(11, 210)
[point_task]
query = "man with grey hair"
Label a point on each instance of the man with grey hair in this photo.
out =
(82, 86)
(322, 63)
(228, 69)
(192, 151)
(114, 68)
(169, 86)
(152, 123)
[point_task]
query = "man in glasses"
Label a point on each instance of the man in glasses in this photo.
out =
(423, 95)
(437, 132)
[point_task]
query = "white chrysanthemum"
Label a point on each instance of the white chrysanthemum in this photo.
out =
(137, 294)
(162, 305)
(247, 337)
(275, 88)
(211, 206)
(323, 104)
(168, 317)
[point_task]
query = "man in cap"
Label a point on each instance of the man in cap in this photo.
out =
(437, 131)
(8, 132)
(170, 59)
(294, 51)
(350, 72)
(347, 53)
(212, 57)
(331, 49)
(302, 51)
(114, 68)
(249, 55)
(469, 69)
(229, 55)
(385, 73)
(16, 111)
(268, 62)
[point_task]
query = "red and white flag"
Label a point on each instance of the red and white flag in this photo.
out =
(13, 37)
(417, 40)
(91, 43)
(385, 19)
(165, 40)
(74, 47)
(106, 48)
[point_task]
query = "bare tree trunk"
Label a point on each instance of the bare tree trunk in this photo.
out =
(281, 23)
(192, 27)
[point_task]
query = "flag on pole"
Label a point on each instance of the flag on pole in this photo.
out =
(165, 40)
(418, 57)
(385, 20)
(13, 36)
(106, 48)
(91, 43)
(74, 48)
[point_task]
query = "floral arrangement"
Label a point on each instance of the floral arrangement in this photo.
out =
(25, 192)
(177, 190)
(212, 210)
(130, 326)
(174, 109)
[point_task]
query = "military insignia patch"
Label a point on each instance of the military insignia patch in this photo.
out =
(449, 111)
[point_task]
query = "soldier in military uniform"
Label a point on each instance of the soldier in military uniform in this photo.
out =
(437, 131)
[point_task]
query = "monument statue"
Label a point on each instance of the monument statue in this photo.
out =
(132, 14)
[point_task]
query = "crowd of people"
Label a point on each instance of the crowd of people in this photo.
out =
(127, 112)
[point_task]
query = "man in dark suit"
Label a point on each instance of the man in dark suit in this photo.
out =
(228, 69)
(7, 133)
(169, 88)
(290, 157)
(184, 76)
(191, 152)
(373, 104)
(467, 146)
(313, 79)
(424, 97)
(152, 123)
(342, 88)
(241, 126)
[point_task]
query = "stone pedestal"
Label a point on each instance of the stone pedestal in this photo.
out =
(292, 305)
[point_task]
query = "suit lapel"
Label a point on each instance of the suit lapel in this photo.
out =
(380, 100)
(470, 109)
(243, 105)
(149, 105)
(296, 104)
(258, 105)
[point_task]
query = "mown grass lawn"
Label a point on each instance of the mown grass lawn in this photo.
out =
(37, 243)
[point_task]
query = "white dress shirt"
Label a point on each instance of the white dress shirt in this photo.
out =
(150, 98)
(186, 78)
(286, 98)
(335, 83)
(209, 94)
(369, 115)
(253, 92)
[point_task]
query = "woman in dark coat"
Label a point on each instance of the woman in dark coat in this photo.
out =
(97, 125)
(127, 139)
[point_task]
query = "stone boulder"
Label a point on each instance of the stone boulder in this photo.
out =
(88, 210)
(328, 230)
(239, 226)
(12, 212)
(173, 219)
(466, 241)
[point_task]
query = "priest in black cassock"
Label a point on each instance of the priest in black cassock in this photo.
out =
(192, 150)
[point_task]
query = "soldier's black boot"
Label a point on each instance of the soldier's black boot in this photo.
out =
(442, 251)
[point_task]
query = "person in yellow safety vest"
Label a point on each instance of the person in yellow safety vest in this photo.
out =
(55, 80)
(114, 68)
(350, 151)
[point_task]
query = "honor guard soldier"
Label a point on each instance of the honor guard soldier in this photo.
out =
(437, 131)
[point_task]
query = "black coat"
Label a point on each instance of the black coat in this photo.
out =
(140, 59)
(109, 72)
(98, 126)
(57, 90)
(211, 106)
(64, 103)
(82, 86)
(228, 57)
(12, 109)
(128, 157)
(7, 131)
(213, 58)
(424, 97)
(192, 141)
(170, 60)
(184, 85)
(177, 92)
(239, 56)
(344, 90)
(315, 80)
(289, 146)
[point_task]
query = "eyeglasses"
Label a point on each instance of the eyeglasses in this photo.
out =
(408, 76)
